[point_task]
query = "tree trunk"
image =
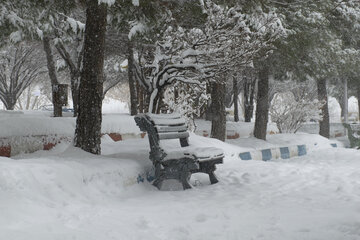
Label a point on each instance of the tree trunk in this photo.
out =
(88, 123)
(345, 100)
(262, 105)
(28, 98)
(218, 113)
(208, 113)
(358, 98)
(10, 102)
(160, 102)
(249, 93)
(140, 97)
(322, 96)
(154, 96)
(341, 104)
(52, 75)
(75, 92)
(132, 80)
(252, 96)
(236, 99)
(11, 107)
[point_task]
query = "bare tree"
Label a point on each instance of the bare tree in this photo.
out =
(32, 98)
(114, 72)
(17, 72)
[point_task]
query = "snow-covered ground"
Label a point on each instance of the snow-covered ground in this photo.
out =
(68, 194)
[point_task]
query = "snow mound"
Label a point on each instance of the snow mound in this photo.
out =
(66, 193)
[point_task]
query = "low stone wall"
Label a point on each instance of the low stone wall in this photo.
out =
(230, 134)
(27, 144)
(336, 129)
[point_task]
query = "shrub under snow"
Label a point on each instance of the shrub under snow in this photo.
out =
(289, 114)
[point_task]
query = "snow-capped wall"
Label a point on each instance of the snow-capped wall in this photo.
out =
(32, 131)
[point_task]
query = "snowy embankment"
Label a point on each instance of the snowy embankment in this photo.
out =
(68, 194)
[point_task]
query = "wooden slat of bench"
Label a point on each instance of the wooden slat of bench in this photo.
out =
(168, 122)
(214, 160)
(166, 119)
(173, 135)
(161, 129)
(164, 116)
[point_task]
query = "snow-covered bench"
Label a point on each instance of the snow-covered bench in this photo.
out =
(174, 166)
(353, 134)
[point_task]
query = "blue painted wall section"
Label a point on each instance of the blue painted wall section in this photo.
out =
(285, 153)
(301, 150)
(245, 156)
(266, 154)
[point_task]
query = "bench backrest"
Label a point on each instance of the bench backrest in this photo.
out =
(169, 126)
(162, 127)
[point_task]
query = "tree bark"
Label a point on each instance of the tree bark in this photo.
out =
(74, 74)
(358, 98)
(262, 105)
(160, 102)
(132, 80)
(341, 104)
(75, 92)
(236, 99)
(10, 102)
(345, 100)
(52, 75)
(208, 113)
(249, 92)
(28, 98)
(140, 97)
(218, 113)
(322, 96)
(88, 123)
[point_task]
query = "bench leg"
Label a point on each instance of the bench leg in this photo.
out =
(213, 178)
(209, 168)
(185, 177)
(178, 170)
(184, 182)
(159, 175)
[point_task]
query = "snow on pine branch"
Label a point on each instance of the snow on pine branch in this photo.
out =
(107, 2)
(136, 27)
